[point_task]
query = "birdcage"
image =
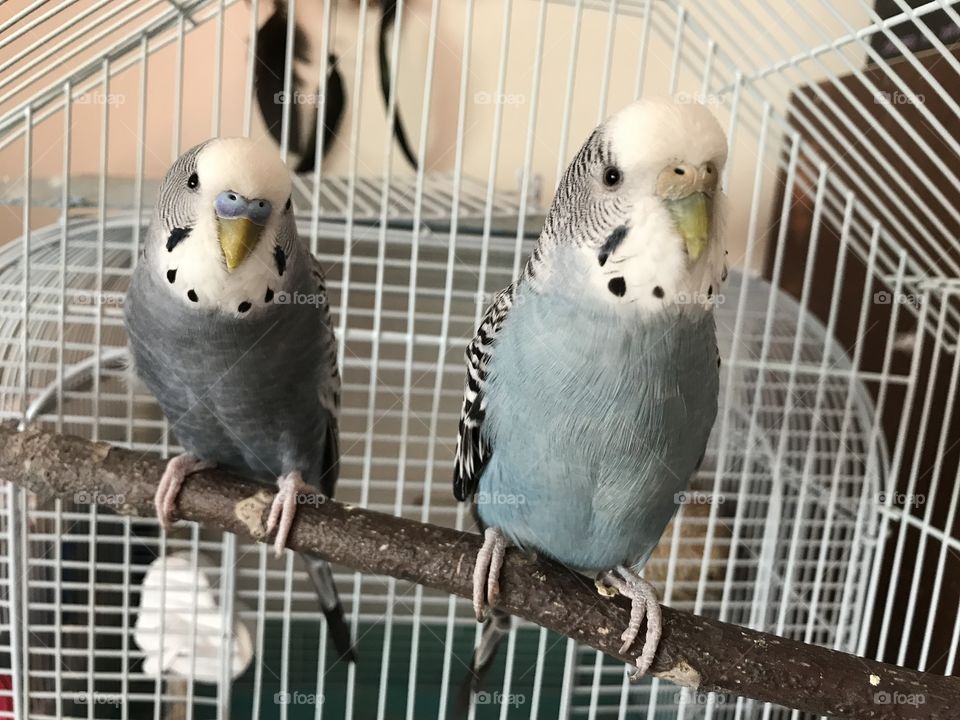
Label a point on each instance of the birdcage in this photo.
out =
(825, 509)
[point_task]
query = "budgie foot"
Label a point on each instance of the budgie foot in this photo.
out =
(165, 499)
(486, 572)
(643, 597)
(284, 508)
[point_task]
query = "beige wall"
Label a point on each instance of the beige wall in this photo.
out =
(197, 114)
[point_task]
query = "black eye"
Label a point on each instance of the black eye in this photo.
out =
(679, 171)
(288, 205)
(612, 176)
(193, 181)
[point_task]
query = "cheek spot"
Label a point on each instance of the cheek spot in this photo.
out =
(658, 292)
(192, 294)
(172, 276)
(710, 291)
(243, 307)
(177, 236)
(618, 286)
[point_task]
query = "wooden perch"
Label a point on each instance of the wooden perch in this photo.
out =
(695, 652)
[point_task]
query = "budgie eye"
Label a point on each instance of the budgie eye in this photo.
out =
(612, 176)
(193, 181)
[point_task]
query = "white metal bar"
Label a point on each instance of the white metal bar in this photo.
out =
(70, 47)
(218, 73)
(408, 363)
(642, 49)
(288, 106)
(727, 400)
(920, 443)
(25, 27)
(194, 611)
(320, 120)
(64, 228)
(865, 496)
(285, 632)
(178, 92)
(19, 659)
(345, 298)
(91, 607)
(529, 142)
(677, 48)
(387, 159)
(568, 93)
(251, 68)
(261, 622)
(919, 560)
(25, 299)
(607, 61)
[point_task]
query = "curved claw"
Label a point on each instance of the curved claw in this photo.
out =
(177, 470)
(644, 603)
(486, 572)
(284, 507)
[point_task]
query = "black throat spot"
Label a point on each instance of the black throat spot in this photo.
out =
(612, 242)
(618, 286)
(177, 235)
(280, 257)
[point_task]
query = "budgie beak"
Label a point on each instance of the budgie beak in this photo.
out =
(687, 192)
(691, 217)
(240, 224)
(238, 237)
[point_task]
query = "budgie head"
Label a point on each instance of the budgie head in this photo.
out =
(223, 230)
(637, 216)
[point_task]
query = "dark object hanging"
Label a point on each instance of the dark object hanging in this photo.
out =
(270, 71)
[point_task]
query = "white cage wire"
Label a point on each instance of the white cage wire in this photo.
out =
(825, 509)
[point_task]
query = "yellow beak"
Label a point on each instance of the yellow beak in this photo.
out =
(691, 216)
(238, 237)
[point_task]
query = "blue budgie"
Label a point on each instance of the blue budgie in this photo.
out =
(229, 328)
(592, 380)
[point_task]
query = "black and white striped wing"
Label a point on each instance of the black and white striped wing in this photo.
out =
(330, 384)
(473, 449)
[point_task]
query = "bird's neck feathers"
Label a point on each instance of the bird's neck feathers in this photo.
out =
(637, 268)
(190, 264)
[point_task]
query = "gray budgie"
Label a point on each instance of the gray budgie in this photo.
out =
(229, 328)
(592, 380)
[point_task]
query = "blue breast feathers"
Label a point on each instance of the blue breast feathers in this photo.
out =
(596, 422)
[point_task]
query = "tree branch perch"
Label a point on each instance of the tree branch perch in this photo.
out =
(694, 651)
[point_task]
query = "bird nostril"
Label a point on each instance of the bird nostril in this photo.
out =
(232, 196)
(261, 203)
